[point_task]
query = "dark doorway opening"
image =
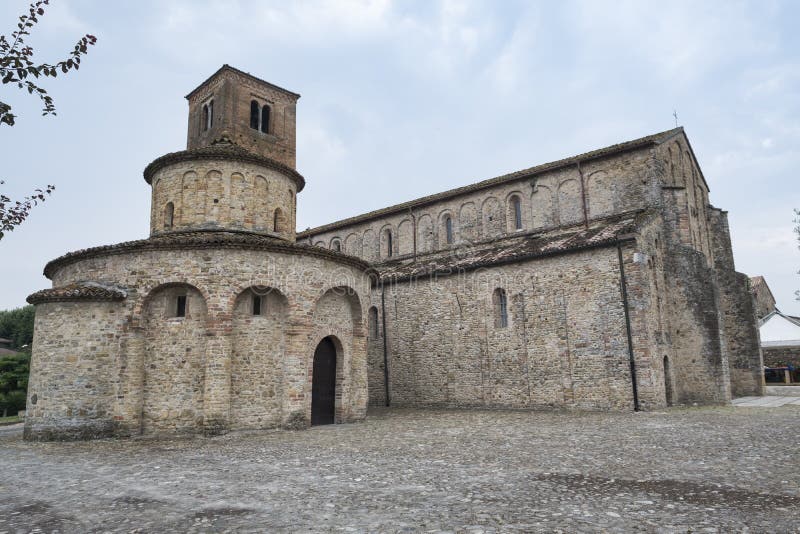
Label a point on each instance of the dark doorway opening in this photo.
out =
(667, 381)
(323, 383)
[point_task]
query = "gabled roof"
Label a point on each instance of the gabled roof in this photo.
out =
(530, 172)
(228, 68)
(779, 330)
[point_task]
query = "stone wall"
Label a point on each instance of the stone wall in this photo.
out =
(214, 194)
(781, 356)
(74, 370)
(565, 344)
(610, 185)
(138, 365)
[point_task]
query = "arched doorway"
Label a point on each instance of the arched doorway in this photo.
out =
(667, 381)
(323, 383)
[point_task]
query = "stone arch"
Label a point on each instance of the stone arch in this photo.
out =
(493, 217)
(327, 380)
(600, 194)
(320, 244)
(405, 238)
(467, 223)
(425, 233)
(543, 209)
(570, 210)
(174, 359)
(258, 349)
(369, 245)
(336, 244)
(338, 310)
(352, 245)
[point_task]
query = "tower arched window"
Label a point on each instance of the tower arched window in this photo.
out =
(336, 245)
(210, 114)
(265, 119)
(500, 302)
(204, 122)
(373, 322)
(389, 244)
(516, 211)
(448, 229)
(169, 214)
(277, 221)
(254, 114)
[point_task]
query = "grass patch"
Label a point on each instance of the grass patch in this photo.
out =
(10, 420)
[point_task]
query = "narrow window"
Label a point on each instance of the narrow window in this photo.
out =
(516, 205)
(205, 117)
(210, 114)
(265, 119)
(389, 243)
(256, 304)
(254, 114)
(169, 214)
(180, 306)
(448, 229)
(277, 221)
(500, 308)
(373, 322)
(337, 246)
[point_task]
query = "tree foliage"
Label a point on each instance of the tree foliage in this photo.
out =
(14, 370)
(17, 325)
(18, 67)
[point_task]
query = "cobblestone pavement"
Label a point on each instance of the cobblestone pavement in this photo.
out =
(698, 470)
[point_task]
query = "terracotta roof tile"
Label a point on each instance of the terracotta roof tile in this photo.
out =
(222, 149)
(600, 233)
(77, 291)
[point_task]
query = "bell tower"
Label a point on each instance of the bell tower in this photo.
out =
(252, 113)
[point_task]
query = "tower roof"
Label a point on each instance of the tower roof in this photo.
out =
(227, 68)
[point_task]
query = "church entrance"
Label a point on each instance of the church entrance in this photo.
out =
(323, 383)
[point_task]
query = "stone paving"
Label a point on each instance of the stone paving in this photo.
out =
(767, 401)
(683, 470)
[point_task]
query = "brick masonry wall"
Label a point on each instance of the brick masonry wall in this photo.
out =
(231, 195)
(232, 94)
(147, 371)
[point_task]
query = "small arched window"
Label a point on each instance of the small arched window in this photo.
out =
(204, 122)
(169, 215)
(448, 229)
(254, 114)
(257, 302)
(277, 221)
(516, 211)
(500, 301)
(265, 119)
(373, 322)
(210, 114)
(336, 245)
(389, 247)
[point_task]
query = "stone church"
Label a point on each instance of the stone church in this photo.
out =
(604, 281)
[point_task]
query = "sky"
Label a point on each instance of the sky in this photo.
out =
(409, 98)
